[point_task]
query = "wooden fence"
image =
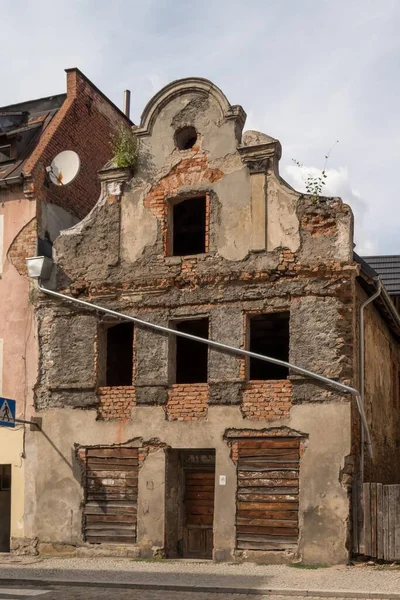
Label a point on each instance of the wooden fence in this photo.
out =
(380, 535)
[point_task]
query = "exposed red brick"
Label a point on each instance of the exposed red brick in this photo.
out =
(270, 399)
(187, 402)
(116, 402)
(23, 246)
(190, 171)
(84, 123)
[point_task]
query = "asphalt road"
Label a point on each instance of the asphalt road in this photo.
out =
(66, 592)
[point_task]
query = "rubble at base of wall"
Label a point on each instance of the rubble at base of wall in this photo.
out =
(65, 550)
(267, 557)
(23, 546)
(54, 549)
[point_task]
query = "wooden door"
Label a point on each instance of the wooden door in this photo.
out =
(198, 508)
(111, 495)
(268, 493)
(5, 507)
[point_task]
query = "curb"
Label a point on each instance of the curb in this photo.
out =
(49, 583)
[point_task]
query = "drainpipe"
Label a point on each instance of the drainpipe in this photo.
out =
(230, 349)
(361, 360)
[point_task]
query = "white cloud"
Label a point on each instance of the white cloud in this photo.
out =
(337, 183)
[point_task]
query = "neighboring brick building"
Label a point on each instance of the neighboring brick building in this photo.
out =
(162, 445)
(32, 213)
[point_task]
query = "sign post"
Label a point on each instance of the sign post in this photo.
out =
(7, 412)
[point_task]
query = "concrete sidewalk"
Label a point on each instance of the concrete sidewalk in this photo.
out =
(195, 576)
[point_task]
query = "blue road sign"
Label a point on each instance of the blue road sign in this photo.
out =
(7, 412)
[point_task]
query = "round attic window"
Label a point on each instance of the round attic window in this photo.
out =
(186, 138)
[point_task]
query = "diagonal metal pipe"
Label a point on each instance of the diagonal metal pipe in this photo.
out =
(230, 349)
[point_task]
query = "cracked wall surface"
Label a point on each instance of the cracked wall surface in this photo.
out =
(270, 249)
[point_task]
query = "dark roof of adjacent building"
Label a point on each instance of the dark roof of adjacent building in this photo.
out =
(21, 126)
(388, 269)
(369, 276)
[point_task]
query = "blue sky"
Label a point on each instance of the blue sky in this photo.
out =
(308, 72)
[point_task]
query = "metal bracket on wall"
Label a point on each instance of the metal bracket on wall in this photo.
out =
(35, 423)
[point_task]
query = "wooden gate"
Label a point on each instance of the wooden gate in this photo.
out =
(380, 534)
(111, 488)
(268, 493)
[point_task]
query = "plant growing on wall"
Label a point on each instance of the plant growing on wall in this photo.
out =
(125, 147)
(314, 182)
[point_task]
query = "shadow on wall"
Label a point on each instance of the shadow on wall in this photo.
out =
(73, 465)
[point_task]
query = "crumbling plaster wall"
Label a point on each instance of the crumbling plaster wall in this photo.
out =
(249, 201)
(270, 249)
(324, 509)
(321, 414)
(320, 338)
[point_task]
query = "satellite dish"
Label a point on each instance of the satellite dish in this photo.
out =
(64, 168)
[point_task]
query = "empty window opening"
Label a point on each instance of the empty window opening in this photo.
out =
(269, 335)
(192, 356)
(119, 370)
(189, 227)
(186, 138)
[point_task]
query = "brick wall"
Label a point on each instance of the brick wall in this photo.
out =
(267, 399)
(116, 402)
(189, 172)
(84, 124)
(187, 402)
(23, 246)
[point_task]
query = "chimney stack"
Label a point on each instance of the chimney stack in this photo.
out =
(127, 103)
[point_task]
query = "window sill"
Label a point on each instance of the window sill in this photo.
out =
(267, 380)
(104, 388)
(176, 260)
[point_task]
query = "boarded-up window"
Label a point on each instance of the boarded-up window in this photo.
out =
(268, 493)
(111, 486)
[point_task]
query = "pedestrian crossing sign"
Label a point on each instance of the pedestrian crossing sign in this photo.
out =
(7, 412)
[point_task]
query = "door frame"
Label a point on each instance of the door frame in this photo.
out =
(178, 460)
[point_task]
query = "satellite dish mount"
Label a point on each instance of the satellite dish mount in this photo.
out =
(64, 168)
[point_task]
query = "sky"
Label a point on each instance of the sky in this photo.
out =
(308, 72)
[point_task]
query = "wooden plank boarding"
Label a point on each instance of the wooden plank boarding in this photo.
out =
(381, 523)
(271, 442)
(268, 493)
(373, 519)
(397, 522)
(367, 519)
(392, 521)
(111, 482)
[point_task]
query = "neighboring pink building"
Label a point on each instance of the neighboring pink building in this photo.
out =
(32, 213)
